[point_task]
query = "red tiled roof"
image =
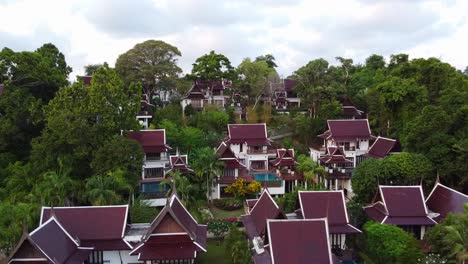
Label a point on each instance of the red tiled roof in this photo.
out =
(58, 245)
(289, 84)
(400, 205)
(166, 247)
(251, 203)
(253, 134)
(299, 241)
(86, 79)
(345, 130)
(160, 244)
(265, 208)
(109, 244)
(150, 140)
(285, 157)
(327, 204)
(445, 200)
(179, 162)
(196, 92)
(91, 222)
(381, 147)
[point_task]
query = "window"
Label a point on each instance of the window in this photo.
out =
(154, 172)
(336, 241)
(240, 147)
(153, 156)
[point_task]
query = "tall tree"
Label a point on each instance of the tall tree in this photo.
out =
(213, 67)
(41, 72)
(375, 62)
(92, 68)
(108, 189)
(80, 120)
(255, 77)
(269, 59)
(152, 63)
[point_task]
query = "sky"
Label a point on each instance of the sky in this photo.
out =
(294, 31)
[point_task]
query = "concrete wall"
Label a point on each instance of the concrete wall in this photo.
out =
(118, 257)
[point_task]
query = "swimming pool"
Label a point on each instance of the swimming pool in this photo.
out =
(267, 176)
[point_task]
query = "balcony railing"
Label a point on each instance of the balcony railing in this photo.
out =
(271, 183)
(153, 195)
(260, 151)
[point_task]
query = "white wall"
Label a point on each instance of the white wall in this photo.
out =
(118, 257)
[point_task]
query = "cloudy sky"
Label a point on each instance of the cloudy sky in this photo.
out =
(294, 31)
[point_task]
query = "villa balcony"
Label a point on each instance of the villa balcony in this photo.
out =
(252, 151)
(153, 195)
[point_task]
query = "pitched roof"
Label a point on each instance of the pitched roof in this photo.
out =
(345, 130)
(327, 204)
(176, 223)
(400, 205)
(285, 157)
(150, 140)
(265, 208)
(351, 111)
(445, 200)
(86, 79)
(289, 84)
(253, 134)
(93, 224)
(381, 147)
(180, 163)
(196, 92)
(299, 241)
(50, 241)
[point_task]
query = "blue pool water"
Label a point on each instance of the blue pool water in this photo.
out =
(268, 176)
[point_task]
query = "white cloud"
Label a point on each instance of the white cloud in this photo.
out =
(293, 31)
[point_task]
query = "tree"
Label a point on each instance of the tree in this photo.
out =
(389, 244)
(14, 218)
(79, 121)
(375, 62)
(152, 63)
(142, 212)
(269, 59)
(56, 187)
(310, 169)
(213, 67)
(240, 188)
(206, 166)
(255, 77)
(92, 68)
(399, 169)
(107, 189)
(449, 239)
(236, 246)
(41, 72)
(119, 153)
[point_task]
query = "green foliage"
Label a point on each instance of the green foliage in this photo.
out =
(79, 121)
(92, 68)
(228, 204)
(41, 73)
(218, 228)
(142, 212)
(255, 76)
(107, 189)
(269, 59)
(449, 239)
(399, 169)
(14, 217)
(390, 244)
(213, 67)
(236, 246)
(151, 63)
(119, 153)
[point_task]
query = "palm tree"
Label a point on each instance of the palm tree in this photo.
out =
(182, 186)
(56, 187)
(107, 189)
(457, 236)
(206, 166)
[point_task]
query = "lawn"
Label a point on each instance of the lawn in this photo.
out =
(220, 214)
(215, 254)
